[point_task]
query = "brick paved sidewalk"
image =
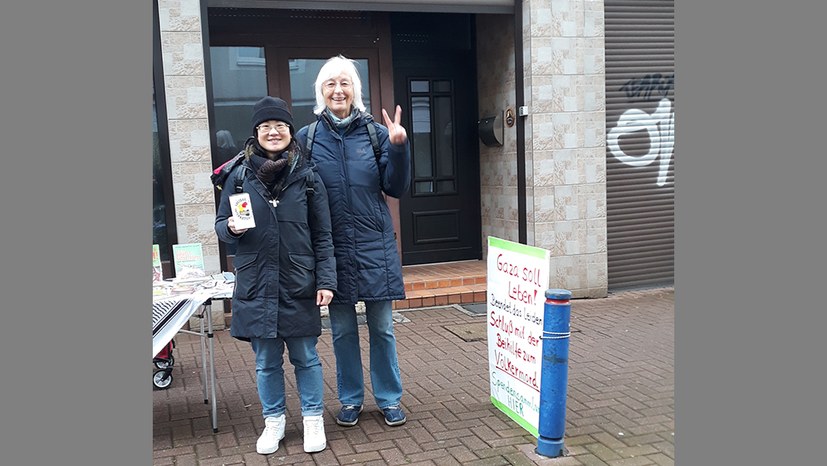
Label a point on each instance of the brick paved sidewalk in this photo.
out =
(620, 404)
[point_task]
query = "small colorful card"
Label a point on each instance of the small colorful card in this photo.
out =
(242, 210)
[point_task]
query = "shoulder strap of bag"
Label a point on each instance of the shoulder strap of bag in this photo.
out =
(374, 141)
(311, 132)
(239, 178)
(310, 182)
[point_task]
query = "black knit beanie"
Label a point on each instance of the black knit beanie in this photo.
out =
(271, 108)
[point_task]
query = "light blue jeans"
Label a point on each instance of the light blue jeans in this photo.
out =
(384, 367)
(270, 374)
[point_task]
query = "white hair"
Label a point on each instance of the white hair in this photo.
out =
(332, 68)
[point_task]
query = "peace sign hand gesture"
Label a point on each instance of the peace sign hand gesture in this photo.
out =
(396, 133)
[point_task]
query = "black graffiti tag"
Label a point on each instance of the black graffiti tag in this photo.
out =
(644, 87)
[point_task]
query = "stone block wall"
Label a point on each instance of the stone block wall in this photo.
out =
(498, 165)
(565, 139)
(189, 138)
(563, 47)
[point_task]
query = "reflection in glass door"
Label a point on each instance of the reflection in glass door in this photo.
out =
(239, 80)
(433, 139)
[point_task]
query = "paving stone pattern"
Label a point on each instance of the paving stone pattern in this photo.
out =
(620, 403)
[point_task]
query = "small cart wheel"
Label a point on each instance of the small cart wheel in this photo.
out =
(161, 363)
(161, 379)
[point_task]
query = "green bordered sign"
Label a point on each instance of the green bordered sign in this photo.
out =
(518, 277)
(188, 257)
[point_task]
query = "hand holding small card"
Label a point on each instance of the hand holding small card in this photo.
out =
(242, 210)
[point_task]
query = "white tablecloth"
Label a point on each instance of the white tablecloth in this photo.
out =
(174, 310)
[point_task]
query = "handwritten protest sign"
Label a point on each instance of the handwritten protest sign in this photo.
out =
(517, 280)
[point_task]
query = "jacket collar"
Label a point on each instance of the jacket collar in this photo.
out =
(359, 119)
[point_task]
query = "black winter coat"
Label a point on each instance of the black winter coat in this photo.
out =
(284, 259)
(367, 259)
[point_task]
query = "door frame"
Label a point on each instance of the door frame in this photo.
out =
(367, 36)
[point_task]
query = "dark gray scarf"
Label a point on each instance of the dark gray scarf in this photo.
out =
(270, 169)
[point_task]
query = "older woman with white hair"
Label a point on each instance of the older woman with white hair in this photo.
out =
(367, 260)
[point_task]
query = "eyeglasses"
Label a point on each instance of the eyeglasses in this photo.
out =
(280, 127)
(332, 84)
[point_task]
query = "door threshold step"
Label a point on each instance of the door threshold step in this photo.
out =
(442, 297)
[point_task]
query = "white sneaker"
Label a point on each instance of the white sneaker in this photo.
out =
(273, 433)
(314, 438)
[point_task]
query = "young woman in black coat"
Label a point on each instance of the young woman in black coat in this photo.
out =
(285, 269)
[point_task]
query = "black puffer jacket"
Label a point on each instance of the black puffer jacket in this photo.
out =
(285, 259)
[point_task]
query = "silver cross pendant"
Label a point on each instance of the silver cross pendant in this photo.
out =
(275, 202)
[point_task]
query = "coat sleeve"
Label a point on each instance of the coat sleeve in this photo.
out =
(322, 236)
(394, 165)
(223, 214)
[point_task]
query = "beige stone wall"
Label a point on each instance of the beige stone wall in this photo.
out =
(565, 139)
(498, 165)
(189, 138)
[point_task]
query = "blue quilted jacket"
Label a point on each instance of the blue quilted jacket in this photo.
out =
(368, 265)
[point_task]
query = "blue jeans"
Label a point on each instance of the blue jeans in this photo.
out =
(270, 374)
(384, 367)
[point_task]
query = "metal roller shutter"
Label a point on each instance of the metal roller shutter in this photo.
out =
(640, 116)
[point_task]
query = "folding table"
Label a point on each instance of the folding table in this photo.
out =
(171, 312)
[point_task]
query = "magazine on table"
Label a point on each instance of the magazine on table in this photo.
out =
(157, 270)
(220, 285)
(189, 261)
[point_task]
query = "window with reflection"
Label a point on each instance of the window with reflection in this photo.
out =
(432, 141)
(303, 72)
(239, 80)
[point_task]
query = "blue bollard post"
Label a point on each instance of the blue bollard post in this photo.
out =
(555, 364)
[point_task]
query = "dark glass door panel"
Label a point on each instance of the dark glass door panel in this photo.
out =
(440, 215)
(239, 80)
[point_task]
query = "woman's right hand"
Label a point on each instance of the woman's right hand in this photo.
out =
(396, 132)
(323, 297)
(233, 229)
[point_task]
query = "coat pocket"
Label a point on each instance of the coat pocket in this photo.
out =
(246, 277)
(300, 279)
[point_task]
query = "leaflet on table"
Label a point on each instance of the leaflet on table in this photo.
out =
(221, 283)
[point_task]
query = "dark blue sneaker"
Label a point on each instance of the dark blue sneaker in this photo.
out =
(348, 415)
(394, 416)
